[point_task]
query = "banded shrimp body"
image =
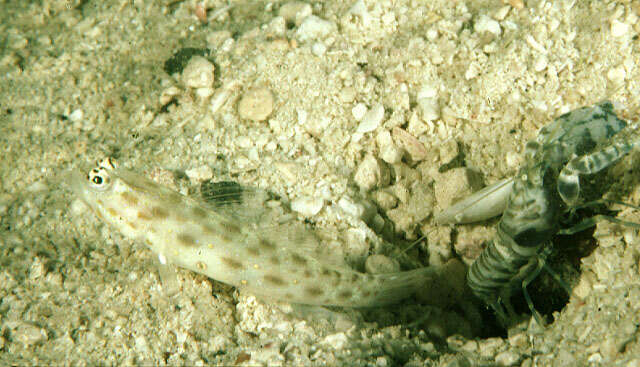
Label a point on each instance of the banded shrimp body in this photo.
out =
(540, 201)
(191, 234)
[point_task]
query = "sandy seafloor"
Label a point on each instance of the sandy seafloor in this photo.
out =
(463, 85)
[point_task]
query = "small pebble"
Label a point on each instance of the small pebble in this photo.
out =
(37, 186)
(389, 152)
(595, 358)
(371, 173)
(198, 73)
(169, 94)
(36, 270)
(307, 206)
(44, 40)
(16, 41)
(488, 348)
(455, 184)
(28, 334)
(519, 340)
(318, 49)
(349, 206)
(314, 28)
(507, 358)
(617, 75)
(413, 146)
(385, 200)
(347, 95)
(357, 246)
(502, 12)
(204, 93)
(256, 104)
(430, 108)
(517, 4)
(448, 151)
(486, 24)
(619, 29)
(199, 174)
(219, 99)
(295, 12)
(371, 120)
(76, 115)
(358, 111)
(336, 341)
(540, 63)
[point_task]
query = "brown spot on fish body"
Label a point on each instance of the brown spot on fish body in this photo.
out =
(180, 218)
(366, 293)
(144, 215)
(230, 228)
(232, 263)
(129, 198)
(174, 198)
(274, 279)
(112, 212)
(266, 245)
(275, 260)
(159, 212)
(254, 251)
(345, 294)
(298, 259)
(307, 273)
(208, 229)
(132, 225)
(186, 240)
(199, 212)
(313, 291)
(355, 277)
(98, 214)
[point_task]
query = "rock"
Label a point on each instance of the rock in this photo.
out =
(199, 174)
(314, 28)
(307, 206)
(371, 173)
(456, 184)
(198, 73)
(295, 12)
(371, 119)
(358, 111)
(256, 104)
(389, 152)
(28, 334)
(385, 200)
(507, 358)
(413, 146)
(486, 24)
(619, 29)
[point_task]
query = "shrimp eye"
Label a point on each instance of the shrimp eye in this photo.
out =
(97, 180)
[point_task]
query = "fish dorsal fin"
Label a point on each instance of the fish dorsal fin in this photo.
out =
(296, 237)
(262, 211)
(242, 203)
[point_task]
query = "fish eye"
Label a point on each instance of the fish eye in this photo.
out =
(98, 178)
